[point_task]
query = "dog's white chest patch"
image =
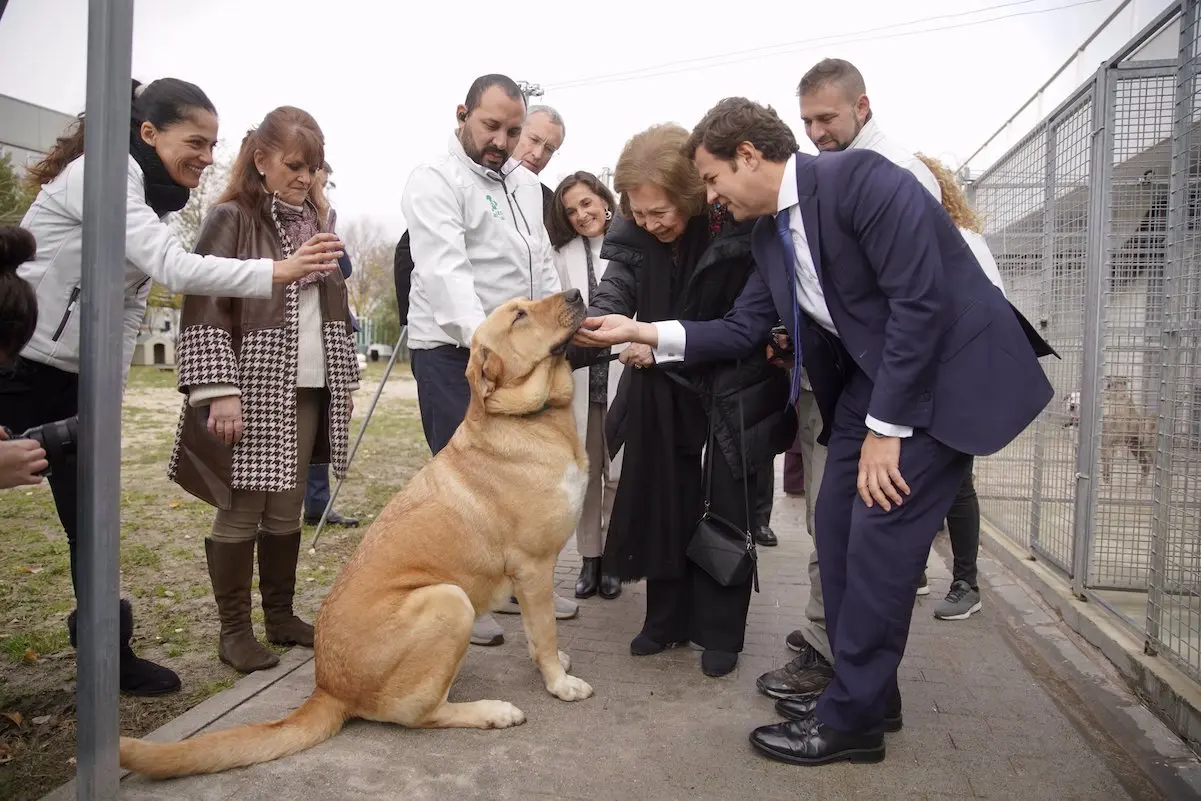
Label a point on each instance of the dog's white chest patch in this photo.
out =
(573, 486)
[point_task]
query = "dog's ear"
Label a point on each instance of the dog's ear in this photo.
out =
(484, 371)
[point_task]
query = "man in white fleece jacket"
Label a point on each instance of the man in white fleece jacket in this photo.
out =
(478, 239)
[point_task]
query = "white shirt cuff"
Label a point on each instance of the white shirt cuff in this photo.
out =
(671, 342)
(888, 429)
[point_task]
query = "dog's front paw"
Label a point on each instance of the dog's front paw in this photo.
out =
(570, 688)
(565, 661)
(502, 715)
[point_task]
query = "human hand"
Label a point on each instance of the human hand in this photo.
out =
(611, 329)
(20, 462)
(880, 472)
(637, 355)
(776, 345)
(320, 254)
(225, 419)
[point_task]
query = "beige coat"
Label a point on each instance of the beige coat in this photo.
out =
(572, 265)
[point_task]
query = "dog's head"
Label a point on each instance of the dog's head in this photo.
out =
(517, 363)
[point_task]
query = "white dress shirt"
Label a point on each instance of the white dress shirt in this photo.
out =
(672, 337)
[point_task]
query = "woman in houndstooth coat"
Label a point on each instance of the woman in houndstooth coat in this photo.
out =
(268, 386)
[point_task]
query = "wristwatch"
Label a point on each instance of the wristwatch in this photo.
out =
(877, 434)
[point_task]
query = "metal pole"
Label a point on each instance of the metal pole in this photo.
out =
(106, 143)
(404, 329)
(1097, 281)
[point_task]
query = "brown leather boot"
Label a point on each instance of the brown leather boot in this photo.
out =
(277, 584)
(231, 568)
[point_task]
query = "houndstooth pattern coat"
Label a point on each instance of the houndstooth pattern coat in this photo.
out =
(253, 345)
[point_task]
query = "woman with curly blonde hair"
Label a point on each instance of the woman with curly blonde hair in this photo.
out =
(966, 219)
(963, 519)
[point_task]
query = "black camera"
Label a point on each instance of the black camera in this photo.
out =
(57, 439)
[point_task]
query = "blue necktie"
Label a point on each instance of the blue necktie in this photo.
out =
(784, 233)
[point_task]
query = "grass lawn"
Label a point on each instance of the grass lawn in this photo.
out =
(163, 573)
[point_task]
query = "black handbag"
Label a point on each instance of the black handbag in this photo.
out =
(720, 548)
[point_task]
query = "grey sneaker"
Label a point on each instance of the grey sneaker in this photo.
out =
(486, 631)
(565, 609)
(961, 603)
(923, 585)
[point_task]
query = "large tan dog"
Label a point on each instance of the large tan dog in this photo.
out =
(486, 517)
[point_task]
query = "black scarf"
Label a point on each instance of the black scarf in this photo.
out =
(162, 193)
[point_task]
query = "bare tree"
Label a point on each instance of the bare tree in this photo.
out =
(370, 251)
(188, 221)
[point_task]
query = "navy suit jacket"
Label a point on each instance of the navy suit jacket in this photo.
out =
(945, 350)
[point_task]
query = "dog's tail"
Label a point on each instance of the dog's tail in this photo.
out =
(317, 720)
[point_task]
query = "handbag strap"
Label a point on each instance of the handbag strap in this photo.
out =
(746, 495)
(710, 455)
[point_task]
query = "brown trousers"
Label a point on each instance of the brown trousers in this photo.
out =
(275, 512)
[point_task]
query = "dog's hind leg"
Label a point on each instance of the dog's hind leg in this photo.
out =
(428, 637)
(534, 586)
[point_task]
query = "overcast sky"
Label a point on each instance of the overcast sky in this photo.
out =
(384, 82)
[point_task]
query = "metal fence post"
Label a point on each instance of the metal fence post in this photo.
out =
(1098, 268)
(106, 143)
(1038, 457)
(1170, 339)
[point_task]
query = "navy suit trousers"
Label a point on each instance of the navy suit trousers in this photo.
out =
(871, 560)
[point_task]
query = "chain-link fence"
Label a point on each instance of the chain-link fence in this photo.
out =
(1093, 220)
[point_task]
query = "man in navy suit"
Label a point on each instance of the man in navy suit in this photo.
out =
(916, 360)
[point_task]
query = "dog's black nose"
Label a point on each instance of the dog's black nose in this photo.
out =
(573, 296)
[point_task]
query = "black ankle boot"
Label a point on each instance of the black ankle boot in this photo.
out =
(589, 580)
(610, 587)
(137, 676)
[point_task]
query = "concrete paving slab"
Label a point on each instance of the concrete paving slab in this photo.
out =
(979, 721)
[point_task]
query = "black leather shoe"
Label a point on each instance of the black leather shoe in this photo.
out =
(802, 708)
(589, 580)
(716, 664)
(643, 645)
(766, 537)
(811, 742)
(334, 519)
(610, 587)
(806, 675)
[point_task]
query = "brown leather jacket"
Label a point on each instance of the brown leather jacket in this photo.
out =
(252, 346)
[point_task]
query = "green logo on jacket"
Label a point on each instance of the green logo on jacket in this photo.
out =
(496, 212)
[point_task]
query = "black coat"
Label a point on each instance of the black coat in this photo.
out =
(662, 414)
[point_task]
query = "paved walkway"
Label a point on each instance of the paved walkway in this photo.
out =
(978, 723)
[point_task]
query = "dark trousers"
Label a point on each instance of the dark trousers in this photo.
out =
(35, 394)
(871, 560)
(316, 491)
(442, 392)
(794, 465)
(694, 607)
(763, 494)
(963, 525)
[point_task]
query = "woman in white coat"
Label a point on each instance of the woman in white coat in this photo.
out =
(173, 129)
(577, 219)
(963, 518)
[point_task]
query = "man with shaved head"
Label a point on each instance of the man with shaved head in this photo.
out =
(838, 116)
